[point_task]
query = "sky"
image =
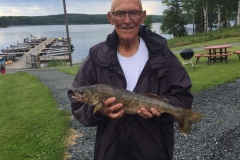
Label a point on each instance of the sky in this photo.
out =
(53, 7)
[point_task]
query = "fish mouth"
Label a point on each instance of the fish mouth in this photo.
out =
(77, 96)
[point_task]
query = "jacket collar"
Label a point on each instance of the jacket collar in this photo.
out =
(155, 43)
(109, 50)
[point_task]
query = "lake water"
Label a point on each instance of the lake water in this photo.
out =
(83, 36)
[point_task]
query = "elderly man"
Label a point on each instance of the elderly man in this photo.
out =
(134, 58)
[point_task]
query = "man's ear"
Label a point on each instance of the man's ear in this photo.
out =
(143, 16)
(110, 18)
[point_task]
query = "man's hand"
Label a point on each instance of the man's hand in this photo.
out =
(111, 111)
(146, 114)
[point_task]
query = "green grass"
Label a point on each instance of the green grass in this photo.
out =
(70, 70)
(54, 63)
(207, 76)
(204, 76)
(212, 36)
(32, 127)
(209, 43)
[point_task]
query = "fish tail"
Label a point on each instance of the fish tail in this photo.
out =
(186, 118)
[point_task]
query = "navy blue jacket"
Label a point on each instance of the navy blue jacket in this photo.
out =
(132, 137)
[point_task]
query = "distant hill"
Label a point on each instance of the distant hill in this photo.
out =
(59, 19)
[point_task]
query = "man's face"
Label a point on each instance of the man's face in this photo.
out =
(127, 27)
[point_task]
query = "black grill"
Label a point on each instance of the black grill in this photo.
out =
(187, 54)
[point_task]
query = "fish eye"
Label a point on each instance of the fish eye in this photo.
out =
(80, 91)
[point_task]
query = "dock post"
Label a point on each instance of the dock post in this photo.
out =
(39, 62)
(68, 39)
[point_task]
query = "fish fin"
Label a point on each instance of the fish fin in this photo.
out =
(186, 118)
(161, 98)
(97, 107)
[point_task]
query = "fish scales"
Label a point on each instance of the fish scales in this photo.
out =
(95, 95)
(133, 102)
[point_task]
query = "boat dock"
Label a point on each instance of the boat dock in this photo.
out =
(42, 51)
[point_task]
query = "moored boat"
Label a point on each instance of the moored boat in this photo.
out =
(60, 44)
(16, 54)
(5, 58)
(33, 39)
(54, 52)
(21, 47)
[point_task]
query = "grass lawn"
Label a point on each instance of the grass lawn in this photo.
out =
(207, 76)
(204, 76)
(209, 43)
(32, 127)
(70, 70)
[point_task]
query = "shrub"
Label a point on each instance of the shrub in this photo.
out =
(200, 37)
(54, 63)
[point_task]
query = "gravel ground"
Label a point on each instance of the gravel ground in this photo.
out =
(217, 137)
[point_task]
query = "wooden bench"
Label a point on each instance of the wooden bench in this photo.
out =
(238, 53)
(217, 52)
(217, 57)
(198, 56)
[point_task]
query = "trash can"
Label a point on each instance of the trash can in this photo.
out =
(187, 54)
(2, 69)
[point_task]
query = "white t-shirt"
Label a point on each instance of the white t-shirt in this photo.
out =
(133, 66)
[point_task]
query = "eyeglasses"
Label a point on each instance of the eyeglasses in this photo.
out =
(119, 15)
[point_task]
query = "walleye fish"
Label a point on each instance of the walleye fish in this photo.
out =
(95, 95)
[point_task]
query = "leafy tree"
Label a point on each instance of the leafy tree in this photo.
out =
(173, 21)
(209, 14)
(148, 21)
(238, 15)
(190, 7)
(222, 12)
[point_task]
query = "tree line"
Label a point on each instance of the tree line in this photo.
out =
(205, 15)
(59, 19)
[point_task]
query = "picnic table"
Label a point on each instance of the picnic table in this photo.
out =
(217, 52)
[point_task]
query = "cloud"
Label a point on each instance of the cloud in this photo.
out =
(153, 7)
(91, 7)
(30, 8)
(52, 7)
